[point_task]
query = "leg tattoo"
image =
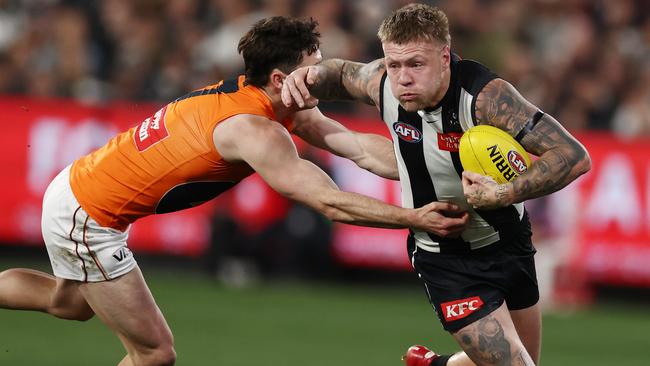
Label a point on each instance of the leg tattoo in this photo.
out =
(486, 344)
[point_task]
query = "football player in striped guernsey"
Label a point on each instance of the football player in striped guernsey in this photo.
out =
(482, 283)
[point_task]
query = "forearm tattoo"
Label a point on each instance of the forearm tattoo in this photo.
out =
(486, 344)
(561, 158)
(347, 80)
(503, 195)
(329, 86)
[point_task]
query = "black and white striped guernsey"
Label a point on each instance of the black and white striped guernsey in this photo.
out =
(426, 146)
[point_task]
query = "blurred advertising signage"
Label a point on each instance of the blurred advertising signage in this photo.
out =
(358, 246)
(613, 215)
(605, 215)
(41, 137)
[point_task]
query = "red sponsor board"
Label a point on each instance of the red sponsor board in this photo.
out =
(357, 246)
(606, 214)
(41, 137)
(613, 212)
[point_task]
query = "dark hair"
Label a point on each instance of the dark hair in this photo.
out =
(276, 42)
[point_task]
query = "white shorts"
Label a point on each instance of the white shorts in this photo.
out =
(79, 248)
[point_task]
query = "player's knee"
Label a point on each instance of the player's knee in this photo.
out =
(84, 315)
(168, 357)
(11, 274)
(162, 356)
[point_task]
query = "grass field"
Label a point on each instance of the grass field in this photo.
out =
(308, 324)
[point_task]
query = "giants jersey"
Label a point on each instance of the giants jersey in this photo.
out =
(426, 147)
(168, 162)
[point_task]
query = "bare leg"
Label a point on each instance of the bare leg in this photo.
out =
(128, 308)
(492, 340)
(126, 361)
(27, 289)
(460, 359)
(528, 323)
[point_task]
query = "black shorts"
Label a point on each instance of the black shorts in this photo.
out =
(466, 287)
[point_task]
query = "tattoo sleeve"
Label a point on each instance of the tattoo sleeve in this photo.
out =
(347, 80)
(562, 158)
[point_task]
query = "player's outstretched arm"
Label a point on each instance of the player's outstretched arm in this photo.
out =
(562, 158)
(334, 79)
(267, 147)
(369, 151)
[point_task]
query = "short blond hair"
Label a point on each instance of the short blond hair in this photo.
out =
(415, 22)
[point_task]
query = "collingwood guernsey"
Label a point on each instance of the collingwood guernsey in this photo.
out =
(426, 147)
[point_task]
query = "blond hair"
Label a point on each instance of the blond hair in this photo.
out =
(415, 22)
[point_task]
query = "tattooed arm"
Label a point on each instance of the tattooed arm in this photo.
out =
(334, 79)
(562, 158)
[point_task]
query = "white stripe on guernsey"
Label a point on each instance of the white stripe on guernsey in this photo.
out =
(439, 167)
(415, 249)
(465, 110)
(520, 209)
(390, 116)
(447, 183)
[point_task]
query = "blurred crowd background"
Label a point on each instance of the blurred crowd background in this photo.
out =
(585, 61)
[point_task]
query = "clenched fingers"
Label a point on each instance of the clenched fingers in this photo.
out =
(291, 93)
(455, 224)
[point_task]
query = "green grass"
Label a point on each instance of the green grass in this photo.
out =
(304, 324)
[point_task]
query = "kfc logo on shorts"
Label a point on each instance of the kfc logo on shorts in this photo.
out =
(407, 132)
(459, 309)
(151, 131)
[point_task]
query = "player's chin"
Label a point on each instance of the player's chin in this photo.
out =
(411, 105)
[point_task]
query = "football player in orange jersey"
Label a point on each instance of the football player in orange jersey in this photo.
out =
(187, 153)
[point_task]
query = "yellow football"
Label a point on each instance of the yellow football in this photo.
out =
(491, 151)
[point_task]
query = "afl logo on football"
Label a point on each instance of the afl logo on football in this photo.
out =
(517, 162)
(407, 132)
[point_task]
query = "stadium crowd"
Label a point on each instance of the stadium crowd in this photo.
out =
(585, 61)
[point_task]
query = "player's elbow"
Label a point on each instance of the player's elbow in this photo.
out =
(365, 163)
(378, 168)
(584, 162)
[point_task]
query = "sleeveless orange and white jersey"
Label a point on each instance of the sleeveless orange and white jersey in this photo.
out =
(168, 162)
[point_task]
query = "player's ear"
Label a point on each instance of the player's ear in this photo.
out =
(445, 57)
(277, 78)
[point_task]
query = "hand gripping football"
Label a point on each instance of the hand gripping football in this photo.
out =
(491, 151)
